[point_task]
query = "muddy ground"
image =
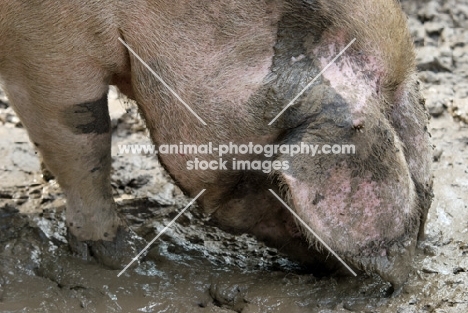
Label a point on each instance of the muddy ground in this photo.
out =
(197, 268)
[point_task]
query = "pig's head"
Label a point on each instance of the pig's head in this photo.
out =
(257, 57)
(367, 198)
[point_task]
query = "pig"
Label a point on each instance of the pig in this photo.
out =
(237, 63)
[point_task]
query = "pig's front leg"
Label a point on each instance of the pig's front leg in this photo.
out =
(77, 151)
(71, 129)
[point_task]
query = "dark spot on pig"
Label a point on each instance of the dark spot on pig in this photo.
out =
(96, 169)
(323, 116)
(317, 199)
(106, 235)
(71, 224)
(335, 110)
(36, 144)
(287, 78)
(88, 118)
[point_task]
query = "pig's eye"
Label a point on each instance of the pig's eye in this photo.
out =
(359, 127)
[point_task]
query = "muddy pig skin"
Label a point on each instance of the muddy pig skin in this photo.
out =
(237, 63)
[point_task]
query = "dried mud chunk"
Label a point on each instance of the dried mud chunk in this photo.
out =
(459, 110)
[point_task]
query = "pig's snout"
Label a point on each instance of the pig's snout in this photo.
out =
(363, 204)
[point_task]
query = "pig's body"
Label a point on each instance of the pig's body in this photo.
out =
(237, 63)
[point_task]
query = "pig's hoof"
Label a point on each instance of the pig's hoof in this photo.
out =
(114, 254)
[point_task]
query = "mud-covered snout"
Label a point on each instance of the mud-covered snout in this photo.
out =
(356, 191)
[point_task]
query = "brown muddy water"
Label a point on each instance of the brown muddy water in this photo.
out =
(195, 267)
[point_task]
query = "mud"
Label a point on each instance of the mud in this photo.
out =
(195, 267)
